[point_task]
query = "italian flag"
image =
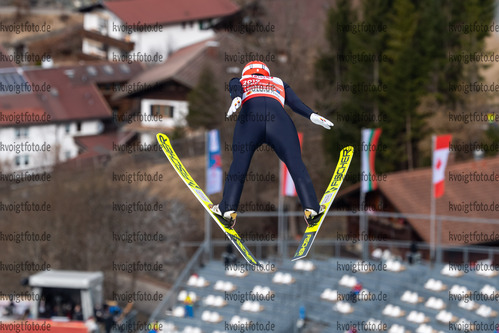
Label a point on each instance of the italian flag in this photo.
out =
(287, 184)
(369, 142)
(440, 155)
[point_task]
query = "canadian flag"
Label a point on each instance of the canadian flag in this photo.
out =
(440, 156)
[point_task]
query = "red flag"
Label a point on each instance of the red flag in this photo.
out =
(440, 156)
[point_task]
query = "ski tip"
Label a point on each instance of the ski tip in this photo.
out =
(349, 149)
(162, 138)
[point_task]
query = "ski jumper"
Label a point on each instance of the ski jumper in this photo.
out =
(262, 119)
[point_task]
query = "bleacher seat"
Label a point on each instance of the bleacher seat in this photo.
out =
(343, 307)
(283, 278)
(234, 271)
(445, 317)
(330, 295)
(252, 306)
(486, 311)
(417, 317)
(435, 303)
(211, 316)
(393, 311)
(395, 328)
(411, 297)
(178, 311)
(435, 285)
(191, 329)
(377, 253)
(215, 301)
(197, 281)
(394, 266)
(224, 286)
(425, 329)
(304, 265)
(469, 305)
(489, 291)
(182, 295)
(167, 327)
(348, 281)
(447, 271)
(458, 290)
(264, 291)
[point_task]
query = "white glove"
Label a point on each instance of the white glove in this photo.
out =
(318, 120)
(236, 103)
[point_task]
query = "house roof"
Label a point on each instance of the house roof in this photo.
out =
(167, 12)
(185, 65)
(409, 192)
(67, 92)
(5, 59)
(180, 67)
(102, 144)
(67, 100)
(24, 116)
(102, 72)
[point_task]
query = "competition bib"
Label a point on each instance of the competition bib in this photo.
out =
(262, 86)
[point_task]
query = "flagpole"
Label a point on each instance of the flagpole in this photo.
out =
(432, 206)
(207, 224)
(362, 225)
(362, 206)
(280, 222)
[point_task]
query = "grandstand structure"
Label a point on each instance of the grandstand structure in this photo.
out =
(334, 290)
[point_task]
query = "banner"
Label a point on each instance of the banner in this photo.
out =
(440, 156)
(214, 163)
(288, 186)
(369, 142)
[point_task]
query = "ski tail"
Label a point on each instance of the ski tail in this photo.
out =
(165, 144)
(310, 233)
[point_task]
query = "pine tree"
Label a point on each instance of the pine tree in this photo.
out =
(414, 66)
(205, 107)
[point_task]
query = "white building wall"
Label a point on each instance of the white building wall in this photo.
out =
(180, 111)
(62, 144)
(159, 43)
(169, 40)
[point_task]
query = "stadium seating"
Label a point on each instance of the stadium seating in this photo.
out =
(417, 298)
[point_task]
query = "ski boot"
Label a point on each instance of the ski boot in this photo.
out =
(312, 217)
(228, 219)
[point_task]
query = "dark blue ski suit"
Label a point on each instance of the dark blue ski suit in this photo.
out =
(262, 119)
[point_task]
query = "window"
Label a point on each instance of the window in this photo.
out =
(78, 126)
(108, 69)
(21, 132)
(124, 67)
(204, 25)
(67, 154)
(67, 128)
(164, 110)
(103, 25)
(92, 70)
(21, 159)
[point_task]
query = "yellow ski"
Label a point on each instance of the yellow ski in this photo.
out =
(165, 144)
(308, 238)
